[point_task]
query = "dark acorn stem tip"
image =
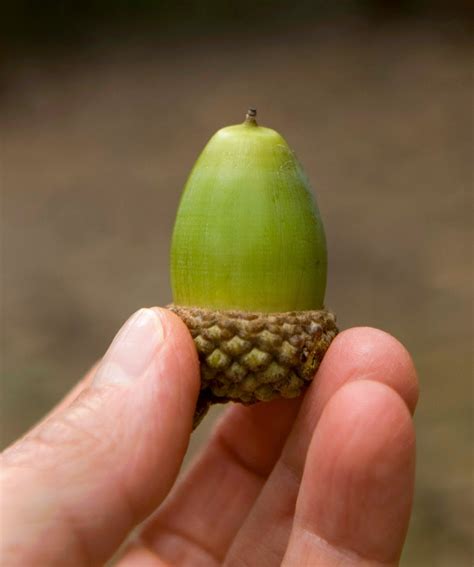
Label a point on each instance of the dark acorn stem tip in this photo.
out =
(250, 116)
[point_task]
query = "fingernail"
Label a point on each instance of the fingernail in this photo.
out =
(132, 350)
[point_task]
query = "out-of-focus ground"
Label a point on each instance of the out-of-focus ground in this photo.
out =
(97, 144)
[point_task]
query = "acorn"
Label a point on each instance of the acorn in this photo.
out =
(248, 269)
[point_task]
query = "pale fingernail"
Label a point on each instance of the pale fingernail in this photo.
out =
(132, 350)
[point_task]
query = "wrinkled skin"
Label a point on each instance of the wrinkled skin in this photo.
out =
(324, 480)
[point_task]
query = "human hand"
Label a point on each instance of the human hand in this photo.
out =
(322, 481)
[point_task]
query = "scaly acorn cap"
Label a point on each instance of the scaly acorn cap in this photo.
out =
(248, 268)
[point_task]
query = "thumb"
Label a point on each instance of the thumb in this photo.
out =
(74, 486)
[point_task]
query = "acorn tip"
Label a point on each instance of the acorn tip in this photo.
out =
(250, 116)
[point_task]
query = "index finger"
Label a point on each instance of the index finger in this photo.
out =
(359, 353)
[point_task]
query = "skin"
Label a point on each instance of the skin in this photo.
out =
(326, 480)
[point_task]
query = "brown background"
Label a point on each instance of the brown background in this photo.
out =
(97, 142)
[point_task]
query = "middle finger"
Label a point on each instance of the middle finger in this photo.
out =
(197, 523)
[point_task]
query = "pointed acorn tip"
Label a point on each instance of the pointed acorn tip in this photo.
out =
(250, 116)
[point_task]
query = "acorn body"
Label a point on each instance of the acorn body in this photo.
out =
(248, 233)
(248, 268)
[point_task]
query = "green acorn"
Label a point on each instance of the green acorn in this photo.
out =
(248, 268)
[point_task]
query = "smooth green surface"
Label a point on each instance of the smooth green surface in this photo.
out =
(248, 234)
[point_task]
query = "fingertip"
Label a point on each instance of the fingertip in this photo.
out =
(369, 353)
(172, 324)
(369, 403)
(357, 485)
(181, 347)
(116, 448)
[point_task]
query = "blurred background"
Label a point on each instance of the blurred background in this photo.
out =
(104, 107)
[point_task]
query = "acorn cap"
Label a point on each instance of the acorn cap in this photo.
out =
(253, 357)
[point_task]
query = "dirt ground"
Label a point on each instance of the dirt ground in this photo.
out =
(97, 144)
